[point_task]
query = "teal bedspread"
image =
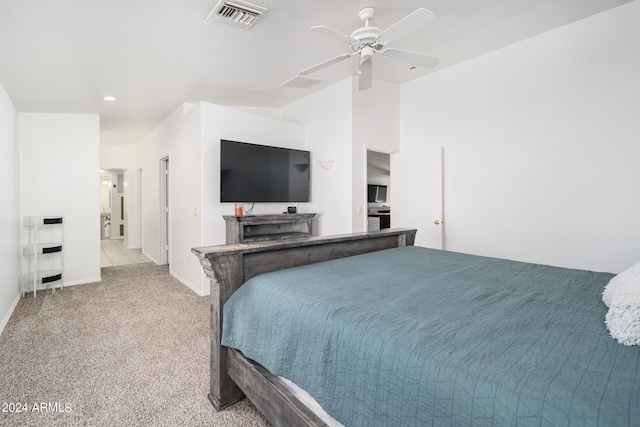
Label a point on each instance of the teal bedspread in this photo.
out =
(418, 337)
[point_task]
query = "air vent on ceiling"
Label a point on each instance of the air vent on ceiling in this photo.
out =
(237, 12)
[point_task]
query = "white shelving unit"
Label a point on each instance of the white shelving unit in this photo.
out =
(42, 253)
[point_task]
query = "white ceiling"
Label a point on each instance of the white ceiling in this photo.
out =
(64, 55)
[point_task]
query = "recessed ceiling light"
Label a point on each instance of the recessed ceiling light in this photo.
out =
(109, 98)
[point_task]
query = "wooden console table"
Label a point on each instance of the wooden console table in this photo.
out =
(258, 228)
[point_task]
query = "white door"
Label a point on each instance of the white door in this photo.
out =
(417, 194)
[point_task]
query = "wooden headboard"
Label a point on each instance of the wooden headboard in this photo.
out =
(229, 266)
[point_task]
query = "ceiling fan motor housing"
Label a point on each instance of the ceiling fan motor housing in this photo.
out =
(366, 36)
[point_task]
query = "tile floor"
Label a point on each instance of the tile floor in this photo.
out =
(114, 252)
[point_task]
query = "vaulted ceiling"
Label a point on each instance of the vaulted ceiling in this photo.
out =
(65, 55)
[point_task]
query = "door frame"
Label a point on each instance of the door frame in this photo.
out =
(139, 207)
(365, 200)
(164, 240)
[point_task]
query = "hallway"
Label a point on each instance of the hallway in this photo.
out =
(114, 252)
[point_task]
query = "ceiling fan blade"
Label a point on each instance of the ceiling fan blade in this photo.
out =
(412, 58)
(334, 34)
(324, 64)
(366, 75)
(300, 82)
(406, 25)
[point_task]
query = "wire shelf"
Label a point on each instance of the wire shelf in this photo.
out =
(41, 249)
(37, 221)
(42, 277)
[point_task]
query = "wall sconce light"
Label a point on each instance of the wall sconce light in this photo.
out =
(326, 164)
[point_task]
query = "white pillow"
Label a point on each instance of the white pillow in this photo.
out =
(623, 322)
(621, 283)
(622, 296)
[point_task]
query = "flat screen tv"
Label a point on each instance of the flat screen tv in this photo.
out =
(261, 173)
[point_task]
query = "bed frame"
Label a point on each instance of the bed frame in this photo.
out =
(228, 267)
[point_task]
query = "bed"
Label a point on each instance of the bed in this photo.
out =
(383, 333)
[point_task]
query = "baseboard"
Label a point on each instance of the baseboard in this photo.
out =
(10, 312)
(186, 283)
(82, 282)
(152, 259)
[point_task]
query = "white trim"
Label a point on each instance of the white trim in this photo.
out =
(187, 284)
(10, 312)
(139, 207)
(164, 237)
(82, 282)
(152, 258)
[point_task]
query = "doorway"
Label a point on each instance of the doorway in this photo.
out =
(120, 240)
(378, 190)
(112, 204)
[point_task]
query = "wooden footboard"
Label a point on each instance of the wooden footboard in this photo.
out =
(229, 266)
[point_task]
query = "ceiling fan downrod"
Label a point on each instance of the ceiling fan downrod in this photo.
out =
(365, 14)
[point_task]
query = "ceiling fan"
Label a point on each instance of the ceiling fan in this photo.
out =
(366, 42)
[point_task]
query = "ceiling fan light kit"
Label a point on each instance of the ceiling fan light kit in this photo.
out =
(368, 40)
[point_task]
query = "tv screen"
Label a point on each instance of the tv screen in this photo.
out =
(382, 194)
(260, 173)
(376, 193)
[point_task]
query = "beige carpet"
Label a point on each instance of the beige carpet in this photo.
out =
(132, 350)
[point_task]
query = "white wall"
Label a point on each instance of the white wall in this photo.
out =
(10, 222)
(541, 145)
(226, 123)
(328, 119)
(124, 157)
(376, 126)
(177, 137)
(342, 123)
(151, 150)
(190, 137)
(275, 113)
(59, 175)
(185, 195)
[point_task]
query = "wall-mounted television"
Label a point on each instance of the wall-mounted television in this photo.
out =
(376, 193)
(261, 173)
